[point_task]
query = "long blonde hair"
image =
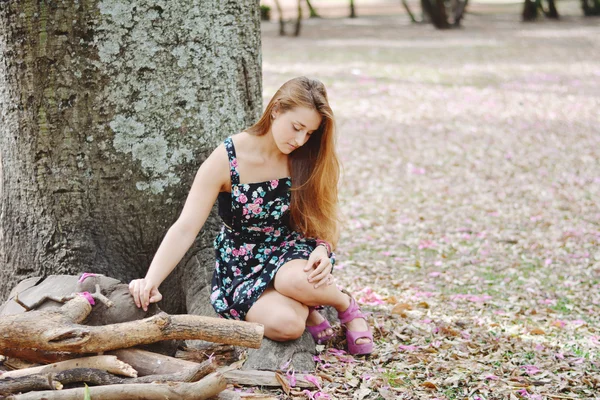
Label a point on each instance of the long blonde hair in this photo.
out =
(314, 167)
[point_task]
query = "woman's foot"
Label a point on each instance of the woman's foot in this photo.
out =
(319, 327)
(358, 334)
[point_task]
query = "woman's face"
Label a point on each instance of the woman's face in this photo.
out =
(293, 128)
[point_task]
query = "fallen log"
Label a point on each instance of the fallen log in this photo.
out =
(60, 330)
(263, 378)
(106, 363)
(97, 377)
(231, 395)
(206, 388)
(223, 354)
(148, 363)
(28, 383)
(40, 357)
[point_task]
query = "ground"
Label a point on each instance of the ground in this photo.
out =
(471, 191)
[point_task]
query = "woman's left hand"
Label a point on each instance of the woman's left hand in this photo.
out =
(321, 267)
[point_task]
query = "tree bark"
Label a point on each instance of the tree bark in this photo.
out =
(107, 110)
(60, 330)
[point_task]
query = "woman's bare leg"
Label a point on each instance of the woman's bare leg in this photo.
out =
(315, 318)
(292, 281)
(284, 318)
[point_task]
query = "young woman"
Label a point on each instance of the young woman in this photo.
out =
(276, 184)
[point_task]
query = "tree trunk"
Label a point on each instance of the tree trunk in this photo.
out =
(352, 9)
(459, 11)
(552, 11)
(281, 21)
(313, 12)
(436, 10)
(530, 10)
(299, 19)
(107, 109)
(591, 8)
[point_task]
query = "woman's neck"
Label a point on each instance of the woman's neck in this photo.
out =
(266, 148)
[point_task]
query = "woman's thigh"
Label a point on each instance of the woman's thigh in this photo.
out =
(283, 318)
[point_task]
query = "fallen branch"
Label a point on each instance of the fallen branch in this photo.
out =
(40, 357)
(263, 378)
(148, 363)
(97, 377)
(204, 389)
(60, 330)
(223, 354)
(106, 363)
(28, 383)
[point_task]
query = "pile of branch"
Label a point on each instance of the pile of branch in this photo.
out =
(103, 357)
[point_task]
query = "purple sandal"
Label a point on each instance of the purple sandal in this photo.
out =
(351, 313)
(316, 329)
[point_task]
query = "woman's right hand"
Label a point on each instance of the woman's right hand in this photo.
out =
(144, 292)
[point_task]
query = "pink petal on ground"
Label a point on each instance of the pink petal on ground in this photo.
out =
(313, 379)
(291, 377)
(492, 378)
(84, 276)
(308, 394)
(531, 369)
(434, 274)
(426, 244)
(369, 297)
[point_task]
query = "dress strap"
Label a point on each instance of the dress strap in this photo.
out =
(233, 172)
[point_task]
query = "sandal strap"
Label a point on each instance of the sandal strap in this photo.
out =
(352, 312)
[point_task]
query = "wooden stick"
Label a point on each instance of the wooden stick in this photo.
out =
(40, 357)
(97, 377)
(204, 389)
(149, 363)
(263, 378)
(106, 363)
(28, 383)
(60, 330)
(223, 354)
(231, 395)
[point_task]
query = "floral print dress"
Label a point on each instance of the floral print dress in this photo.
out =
(254, 242)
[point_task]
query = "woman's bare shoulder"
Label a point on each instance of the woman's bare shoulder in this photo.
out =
(217, 167)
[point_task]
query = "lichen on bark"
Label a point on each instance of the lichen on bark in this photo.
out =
(163, 59)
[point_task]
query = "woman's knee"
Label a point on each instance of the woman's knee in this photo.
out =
(291, 278)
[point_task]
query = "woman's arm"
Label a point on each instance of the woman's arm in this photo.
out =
(211, 178)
